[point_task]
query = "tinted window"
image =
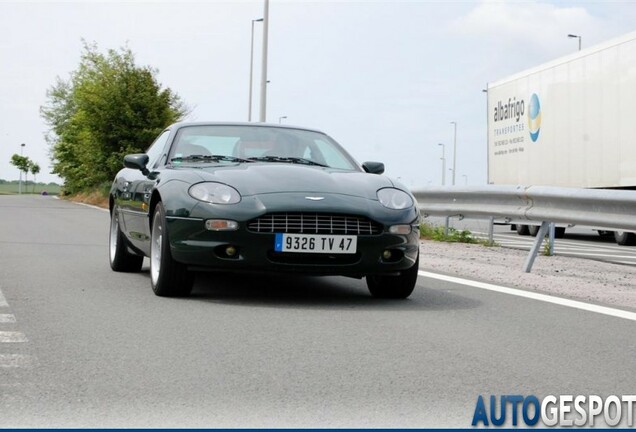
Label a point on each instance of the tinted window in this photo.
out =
(156, 150)
(260, 141)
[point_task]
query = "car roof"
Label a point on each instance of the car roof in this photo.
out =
(249, 124)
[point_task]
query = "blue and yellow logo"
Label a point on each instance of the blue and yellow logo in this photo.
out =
(534, 117)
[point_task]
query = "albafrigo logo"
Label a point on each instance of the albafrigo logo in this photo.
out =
(534, 117)
(563, 410)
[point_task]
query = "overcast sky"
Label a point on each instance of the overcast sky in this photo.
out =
(384, 78)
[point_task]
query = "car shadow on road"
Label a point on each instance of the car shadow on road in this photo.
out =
(296, 291)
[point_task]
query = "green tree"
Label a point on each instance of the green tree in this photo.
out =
(108, 108)
(35, 170)
(23, 164)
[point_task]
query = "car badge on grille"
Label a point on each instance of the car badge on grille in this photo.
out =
(314, 198)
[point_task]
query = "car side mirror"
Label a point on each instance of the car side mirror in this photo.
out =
(373, 167)
(137, 161)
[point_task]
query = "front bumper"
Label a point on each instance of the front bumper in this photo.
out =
(201, 249)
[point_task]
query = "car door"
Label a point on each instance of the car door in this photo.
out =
(136, 191)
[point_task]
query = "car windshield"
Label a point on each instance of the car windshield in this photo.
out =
(266, 144)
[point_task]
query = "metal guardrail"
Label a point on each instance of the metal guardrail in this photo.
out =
(600, 208)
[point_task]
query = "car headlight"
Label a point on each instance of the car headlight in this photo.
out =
(395, 199)
(215, 193)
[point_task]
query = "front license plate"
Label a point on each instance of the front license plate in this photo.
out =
(316, 243)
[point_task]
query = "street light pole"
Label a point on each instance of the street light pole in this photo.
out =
(454, 150)
(280, 119)
(263, 113)
(20, 182)
(249, 112)
(578, 37)
(443, 158)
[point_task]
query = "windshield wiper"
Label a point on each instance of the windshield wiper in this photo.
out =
(208, 158)
(295, 160)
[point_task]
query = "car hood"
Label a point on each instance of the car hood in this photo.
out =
(267, 178)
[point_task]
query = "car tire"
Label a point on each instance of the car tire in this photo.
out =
(522, 230)
(121, 259)
(168, 277)
(533, 230)
(394, 287)
(625, 238)
(559, 232)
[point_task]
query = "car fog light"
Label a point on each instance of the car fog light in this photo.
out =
(230, 251)
(386, 254)
(221, 225)
(400, 229)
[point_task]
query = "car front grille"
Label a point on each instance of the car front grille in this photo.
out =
(314, 223)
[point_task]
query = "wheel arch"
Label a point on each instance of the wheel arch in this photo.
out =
(154, 200)
(111, 203)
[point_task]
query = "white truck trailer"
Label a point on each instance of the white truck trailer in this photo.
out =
(569, 123)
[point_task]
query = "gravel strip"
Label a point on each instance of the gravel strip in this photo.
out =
(575, 278)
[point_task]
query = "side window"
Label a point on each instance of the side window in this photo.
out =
(155, 151)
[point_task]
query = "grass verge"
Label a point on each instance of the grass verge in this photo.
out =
(97, 197)
(431, 232)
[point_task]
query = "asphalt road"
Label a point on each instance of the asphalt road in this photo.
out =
(82, 346)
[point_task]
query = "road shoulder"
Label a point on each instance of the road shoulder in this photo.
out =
(585, 280)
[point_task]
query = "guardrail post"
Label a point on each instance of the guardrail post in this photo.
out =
(551, 238)
(543, 230)
(446, 224)
(491, 231)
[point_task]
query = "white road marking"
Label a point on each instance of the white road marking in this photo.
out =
(596, 254)
(92, 206)
(7, 318)
(12, 360)
(15, 360)
(619, 313)
(11, 337)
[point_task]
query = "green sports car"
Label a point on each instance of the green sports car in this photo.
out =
(238, 197)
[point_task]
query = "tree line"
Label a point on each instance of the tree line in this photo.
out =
(15, 182)
(109, 107)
